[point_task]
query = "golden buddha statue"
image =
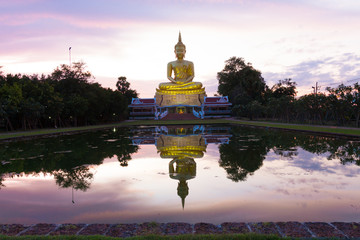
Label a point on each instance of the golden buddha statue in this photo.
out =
(180, 73)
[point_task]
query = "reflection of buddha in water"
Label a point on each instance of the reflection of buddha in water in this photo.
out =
(182, 149)
(183, 71)
(184, 170)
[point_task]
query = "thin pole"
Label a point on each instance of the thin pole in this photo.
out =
(70, 57)
(316, 88)
(72, 195)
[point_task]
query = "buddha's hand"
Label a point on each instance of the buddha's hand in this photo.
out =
(171, 80)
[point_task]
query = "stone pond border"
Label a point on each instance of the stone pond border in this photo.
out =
(282, 229)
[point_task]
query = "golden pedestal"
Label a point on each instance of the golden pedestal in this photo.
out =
(164, 100)
(190, 146)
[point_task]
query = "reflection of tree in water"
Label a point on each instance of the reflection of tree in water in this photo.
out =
(282, 143)
(315, 144)
(239, 162)
(124, 160)
(1, 180)
(338, 148)
(286, 153)
(65, 156)
(349, 153)
(124, 156)
(243, 155)
(79, 178)
(248, 148)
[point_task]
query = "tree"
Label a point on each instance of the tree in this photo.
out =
(76, 106)
(118, 106)
(312, 108)
(123, 87)
(355, 99)
(341, 103)
(281, 98)
(346, 101)
(75, 72)
(10, 99)
(66, 97)
(241, 82)
(284, 88)
(73, 84)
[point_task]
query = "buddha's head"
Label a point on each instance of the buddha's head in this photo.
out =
(180, 49)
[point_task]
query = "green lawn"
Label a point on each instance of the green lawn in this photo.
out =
(298, 127)
(303, 127)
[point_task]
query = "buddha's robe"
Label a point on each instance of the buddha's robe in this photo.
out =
(183, 75)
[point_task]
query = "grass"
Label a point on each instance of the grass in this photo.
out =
(250, 236)
(48, 131)
(297, 127)
(305, 128)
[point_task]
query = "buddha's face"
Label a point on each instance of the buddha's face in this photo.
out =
(180, 52)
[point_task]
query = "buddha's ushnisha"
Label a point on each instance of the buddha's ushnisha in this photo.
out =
(180, 73)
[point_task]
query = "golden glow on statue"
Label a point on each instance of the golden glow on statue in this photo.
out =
(184, 169)
(192, 146)
(180, 74)
(182, 149)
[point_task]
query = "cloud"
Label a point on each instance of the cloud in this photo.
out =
(71, 20)
(328, 72)
(281, 38)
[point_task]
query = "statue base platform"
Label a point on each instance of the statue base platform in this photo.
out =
(176, 116)
(179, 99)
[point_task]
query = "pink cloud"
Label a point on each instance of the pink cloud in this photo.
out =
(29, 18)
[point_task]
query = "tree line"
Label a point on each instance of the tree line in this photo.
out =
(253, 99)
(66, 97)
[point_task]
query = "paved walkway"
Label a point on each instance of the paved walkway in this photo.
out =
(283, 229)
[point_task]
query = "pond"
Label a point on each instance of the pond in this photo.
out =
(188, 174)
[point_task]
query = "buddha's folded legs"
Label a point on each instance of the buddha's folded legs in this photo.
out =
(185, 86)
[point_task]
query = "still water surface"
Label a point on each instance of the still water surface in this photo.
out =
(170, 174)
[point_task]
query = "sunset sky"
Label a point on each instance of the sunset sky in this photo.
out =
(306, 40)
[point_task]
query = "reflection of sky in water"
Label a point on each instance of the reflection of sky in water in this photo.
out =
(305, 187)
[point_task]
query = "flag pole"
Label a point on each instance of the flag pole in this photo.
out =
(70, 57)
(72, 194)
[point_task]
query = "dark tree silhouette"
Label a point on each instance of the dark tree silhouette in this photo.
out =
(123, 86)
